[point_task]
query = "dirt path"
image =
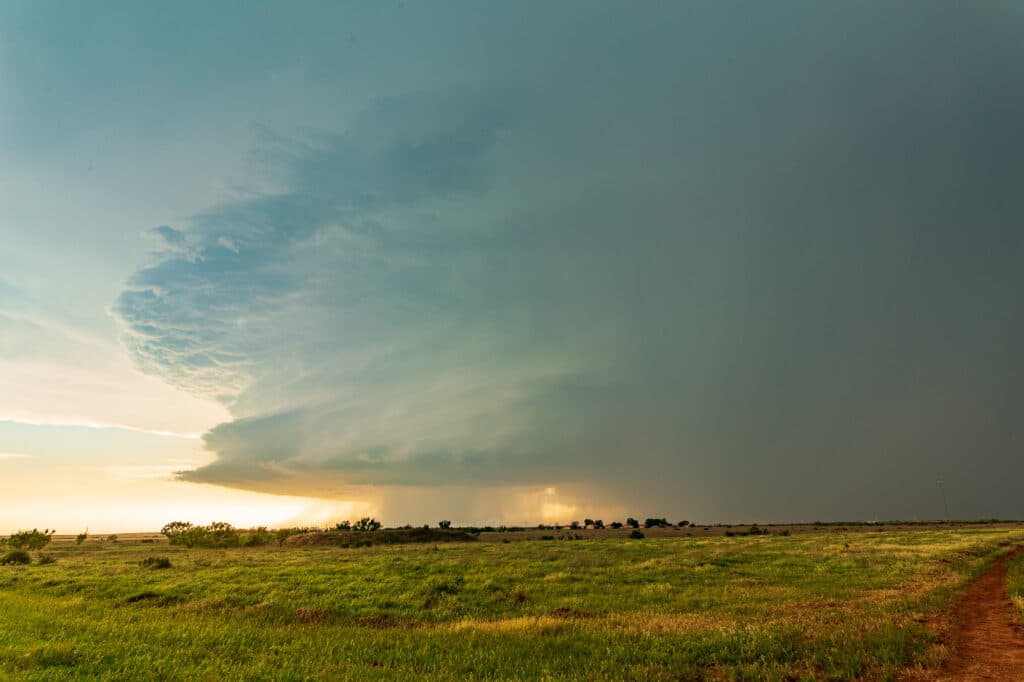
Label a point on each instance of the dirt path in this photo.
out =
(986, 639)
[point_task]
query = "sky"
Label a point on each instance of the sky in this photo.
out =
(277, 263)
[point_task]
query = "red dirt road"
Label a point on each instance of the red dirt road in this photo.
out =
(986, 639)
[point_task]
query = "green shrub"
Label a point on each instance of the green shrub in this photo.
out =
(636, 534)
(15, 556)
(217, 534)
(44, 559)
(156, 562)
(366, 524)
(257, 537)
(391, 536)
(81, 537)
(179, 533)
(30, 539)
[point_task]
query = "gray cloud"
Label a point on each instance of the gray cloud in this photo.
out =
(765, 267)
(170, 236)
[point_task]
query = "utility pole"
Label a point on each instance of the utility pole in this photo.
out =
(945, 509)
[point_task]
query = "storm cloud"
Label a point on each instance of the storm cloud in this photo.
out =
(764, 261)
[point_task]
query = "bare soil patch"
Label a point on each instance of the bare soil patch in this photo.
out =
(986, 639)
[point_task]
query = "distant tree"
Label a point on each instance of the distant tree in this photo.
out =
(656, 523)
(344, 525)
(444, 524)
(616, 524)
(575, 525)
(366, 524)
(683, 524)
(81, 537)
(598, 523)
(632, 523)
(587, 523)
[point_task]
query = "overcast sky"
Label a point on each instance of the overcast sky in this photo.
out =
(510, 262)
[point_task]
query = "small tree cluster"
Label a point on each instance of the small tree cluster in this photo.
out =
(657, 523)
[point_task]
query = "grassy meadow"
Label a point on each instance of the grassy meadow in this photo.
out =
(1015, 583)
(826, 605)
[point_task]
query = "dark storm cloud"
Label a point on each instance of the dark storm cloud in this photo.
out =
(765, 262)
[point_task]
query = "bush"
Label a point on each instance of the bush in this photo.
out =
(44, 559)
(636, 535)
(112, 538)
(30, 539)
(257, 537)
(366, 524)
(683, 524)
(616, 524)
(81, 537)
(156, 562)
(391, 536)
(217, 534)
(632, 523)
(15, 556)
(179, 533)
(446, 524)
(598, 523)
(656, 523)
(344, 525)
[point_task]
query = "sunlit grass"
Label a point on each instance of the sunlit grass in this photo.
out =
(825, 606)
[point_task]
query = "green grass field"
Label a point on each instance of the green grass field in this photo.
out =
(1015, 583)
(828, 605)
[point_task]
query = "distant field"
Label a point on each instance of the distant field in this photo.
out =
(816, 605)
